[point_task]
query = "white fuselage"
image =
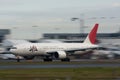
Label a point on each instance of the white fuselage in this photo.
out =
(44, 48)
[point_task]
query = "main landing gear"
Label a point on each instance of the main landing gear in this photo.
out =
(65, 60)
(18, 58)
(50, 60)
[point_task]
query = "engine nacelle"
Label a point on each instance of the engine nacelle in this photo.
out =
(60, 55)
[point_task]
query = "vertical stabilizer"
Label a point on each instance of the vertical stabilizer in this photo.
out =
(91, 38)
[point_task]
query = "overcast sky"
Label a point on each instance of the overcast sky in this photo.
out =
(31, 18)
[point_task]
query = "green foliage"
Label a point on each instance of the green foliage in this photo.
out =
(61, 74)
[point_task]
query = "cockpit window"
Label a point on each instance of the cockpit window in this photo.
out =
(14, 48)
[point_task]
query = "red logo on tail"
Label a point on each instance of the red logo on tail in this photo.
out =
(92, 35)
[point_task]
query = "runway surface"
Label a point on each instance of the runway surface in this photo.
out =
(9, 64)
(57, 66)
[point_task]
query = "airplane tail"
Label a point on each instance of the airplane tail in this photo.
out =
(91, 38)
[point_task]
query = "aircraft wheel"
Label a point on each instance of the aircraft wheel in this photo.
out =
(65, 60)
(18, 60)
(47, 60)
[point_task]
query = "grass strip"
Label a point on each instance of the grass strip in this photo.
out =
(86, 73)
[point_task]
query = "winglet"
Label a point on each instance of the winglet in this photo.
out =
(91, 38)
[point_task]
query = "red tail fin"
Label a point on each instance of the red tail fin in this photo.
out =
(91, 38)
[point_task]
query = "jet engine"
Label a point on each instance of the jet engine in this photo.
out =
(60, 55)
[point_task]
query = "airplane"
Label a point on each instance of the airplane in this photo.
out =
(49, 51)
